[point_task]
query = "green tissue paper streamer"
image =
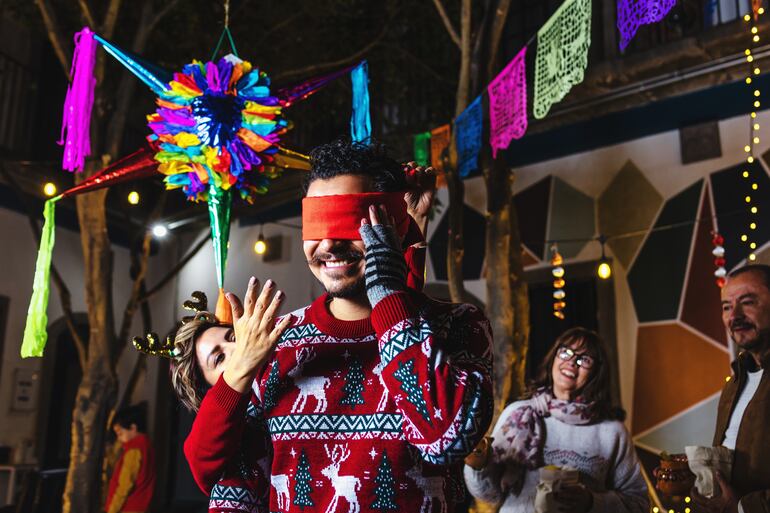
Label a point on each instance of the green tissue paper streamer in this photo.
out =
(35, 332)
(422, 149)
(220, 202)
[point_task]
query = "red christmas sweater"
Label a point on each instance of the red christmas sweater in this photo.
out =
(352, 416)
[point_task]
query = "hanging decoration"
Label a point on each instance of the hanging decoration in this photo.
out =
(562, 54)
(468, 137)
(360, 121)
(719, 258)
(215, 131)
(422, 149)
(440, 139)
(508, 104)
(632, 14)
(751, 184)
(559, 295)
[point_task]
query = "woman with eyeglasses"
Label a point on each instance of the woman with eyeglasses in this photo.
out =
(567, 421)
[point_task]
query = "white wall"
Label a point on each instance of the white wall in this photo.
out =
(18, 264)
(291, 273)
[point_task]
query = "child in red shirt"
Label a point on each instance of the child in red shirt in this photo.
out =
(133, 479)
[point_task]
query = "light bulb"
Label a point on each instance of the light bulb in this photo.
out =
(748, 80)
(754, 30)
(753, 245)
(752, 257)
(748, 199)
(49, 189)
(750, 159)
(756, 39)
(756, 71)
(558, 272)
(756, 92)
(745, 18)
(604, 271)
(754, 186)
(756, 126)
(756, 140)
(761, 10)
(749, 58)
(133, 198)
(748, 51)
(747, 148)
(753, 115)
(260, 246)
(753, 210)
(756, 104)
(753, 226)
(745, 174)
(744, 237)
(159, 231)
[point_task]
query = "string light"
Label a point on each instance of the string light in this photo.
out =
(159, 231)
(49, 189)
(133, 198)
(260, 247)
(558, 283)
(753, 20)
(603, 270)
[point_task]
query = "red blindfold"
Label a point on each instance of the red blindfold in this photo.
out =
(339, 216)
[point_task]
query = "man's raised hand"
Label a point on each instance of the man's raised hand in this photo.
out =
(256, 332)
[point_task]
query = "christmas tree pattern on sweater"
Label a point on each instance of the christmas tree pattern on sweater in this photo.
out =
(366, 416)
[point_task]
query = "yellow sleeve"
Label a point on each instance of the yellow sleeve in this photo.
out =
(132, 462)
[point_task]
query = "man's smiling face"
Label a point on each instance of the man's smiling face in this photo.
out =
(746, 310)
(338, 263)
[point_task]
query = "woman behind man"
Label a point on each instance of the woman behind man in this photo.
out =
(567, 420)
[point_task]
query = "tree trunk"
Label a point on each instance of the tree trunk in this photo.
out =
(95, 398)
(455, 247)
(98, 389)
(507, 294)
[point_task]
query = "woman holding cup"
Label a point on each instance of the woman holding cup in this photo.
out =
(563, 447)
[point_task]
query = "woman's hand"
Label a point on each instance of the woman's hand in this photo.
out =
(479, 458)
(574, 499)
(419, 197)
(256, 333)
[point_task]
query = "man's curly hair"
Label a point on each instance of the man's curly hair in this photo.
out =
(343, 157)
(186, 375)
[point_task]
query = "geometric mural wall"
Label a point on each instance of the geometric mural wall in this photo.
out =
(681, 348)
(628, 205)
(682, 357)
(733, 218)
(571, 219)
(656, 277)
(551, 209)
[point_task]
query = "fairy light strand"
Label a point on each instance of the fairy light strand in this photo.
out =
(752, 186)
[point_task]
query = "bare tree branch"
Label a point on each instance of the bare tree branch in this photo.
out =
(58, 41)
(85, 9)
(447, 22)
(175, 270)
(65, 298)
(140, 269)
(111, 18)
(501, 15)
(447, 83)
(161, 14)
(320, 68)
(279, 26)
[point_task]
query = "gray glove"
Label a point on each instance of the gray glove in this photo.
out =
(385, 270)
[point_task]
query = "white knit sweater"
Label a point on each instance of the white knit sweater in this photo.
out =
(602, 452)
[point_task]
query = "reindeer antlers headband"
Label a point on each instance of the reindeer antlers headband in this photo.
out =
(151, 345)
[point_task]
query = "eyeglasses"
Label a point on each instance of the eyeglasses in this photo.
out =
(581, 360)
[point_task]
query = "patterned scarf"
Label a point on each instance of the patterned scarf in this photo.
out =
(524, 431)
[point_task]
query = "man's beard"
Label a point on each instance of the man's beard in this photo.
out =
(355, 290)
